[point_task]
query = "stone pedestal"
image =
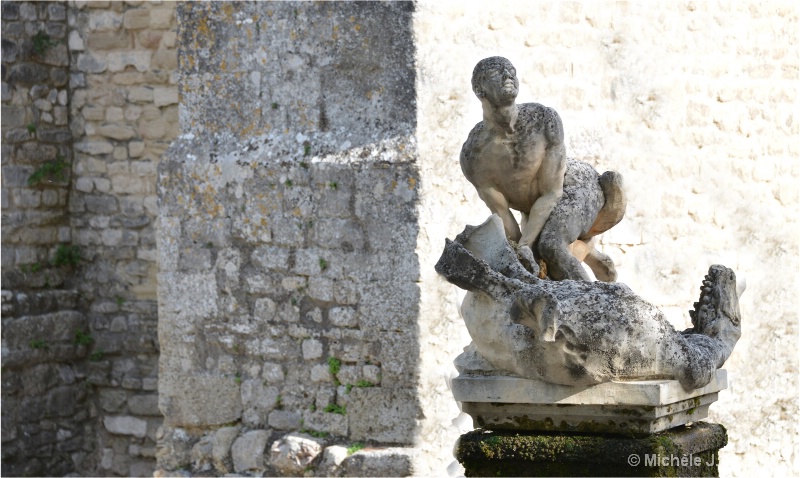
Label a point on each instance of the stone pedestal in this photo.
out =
(637, 408)
(688, 450)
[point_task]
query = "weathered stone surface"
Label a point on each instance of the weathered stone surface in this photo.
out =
(285, 420)
(248, 452)
(196, 400)
(222, 439)
(125, 425)
(293, 453)
(332, 458)
(201, 454)
(631, 408)
(380, 462)
(144, 405)
(576, 315)
(174, 448)
(383, 414)
(684, 451)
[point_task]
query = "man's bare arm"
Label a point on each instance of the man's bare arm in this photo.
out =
(498, 204)
(550, 180)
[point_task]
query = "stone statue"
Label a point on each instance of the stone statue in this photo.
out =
(575, 332)
(516, 159)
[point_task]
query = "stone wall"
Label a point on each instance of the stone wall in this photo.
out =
(89, 106)
(288, 295)
(123, 115)
(696, 105)
(46, 410)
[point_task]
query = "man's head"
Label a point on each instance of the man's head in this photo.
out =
(495, 79)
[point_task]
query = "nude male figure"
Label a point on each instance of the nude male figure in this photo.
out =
(516, 159)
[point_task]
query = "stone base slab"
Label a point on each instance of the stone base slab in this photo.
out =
(629, 408)
(682, 451)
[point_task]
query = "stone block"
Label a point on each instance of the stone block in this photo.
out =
(320, 373)
(383, 415)
(332, 458)
(161, 18)
(104, 20)
(165, 59)
(116, 131)
(293, 453)
(112, 400)
(95, 148)
(125, 425)
(221, 442)
(139, 59)
(275, 258)
(140, 94)
(343, 317)
(631, 407)
(312, 349)
(75, 41)
(379, 462)
(163, 96)
(199, 400)
(137, 19)
(683, 451)
(273, 373)
(146, 405)
(92, 63)
(174, 447)
(255, 394)
(201, 454)
(285, 420)
(248, 450)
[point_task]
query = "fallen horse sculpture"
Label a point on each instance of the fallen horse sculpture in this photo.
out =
(577, 332)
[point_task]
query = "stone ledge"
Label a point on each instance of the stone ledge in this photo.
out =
(506, 389)
(628, 408)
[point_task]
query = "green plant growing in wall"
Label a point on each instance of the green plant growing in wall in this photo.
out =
(364, 384)
(354, 448)
(42, 42)
(119, 300)
(347, 388)
(36, 267)
(96, 356)
(279, 402)
(314, 433)
(67, 255)
(323, 264)
(333, 185)
(39, 344)
(333, 408)
(31, 128)
(52, 171)
(334, 365)
(237, 378)
(82, 338)
(306, 148)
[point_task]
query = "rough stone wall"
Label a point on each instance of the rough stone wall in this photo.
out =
(123, 115)
(46, 413)
(696, 105)
(37, 144)
(288, 295)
